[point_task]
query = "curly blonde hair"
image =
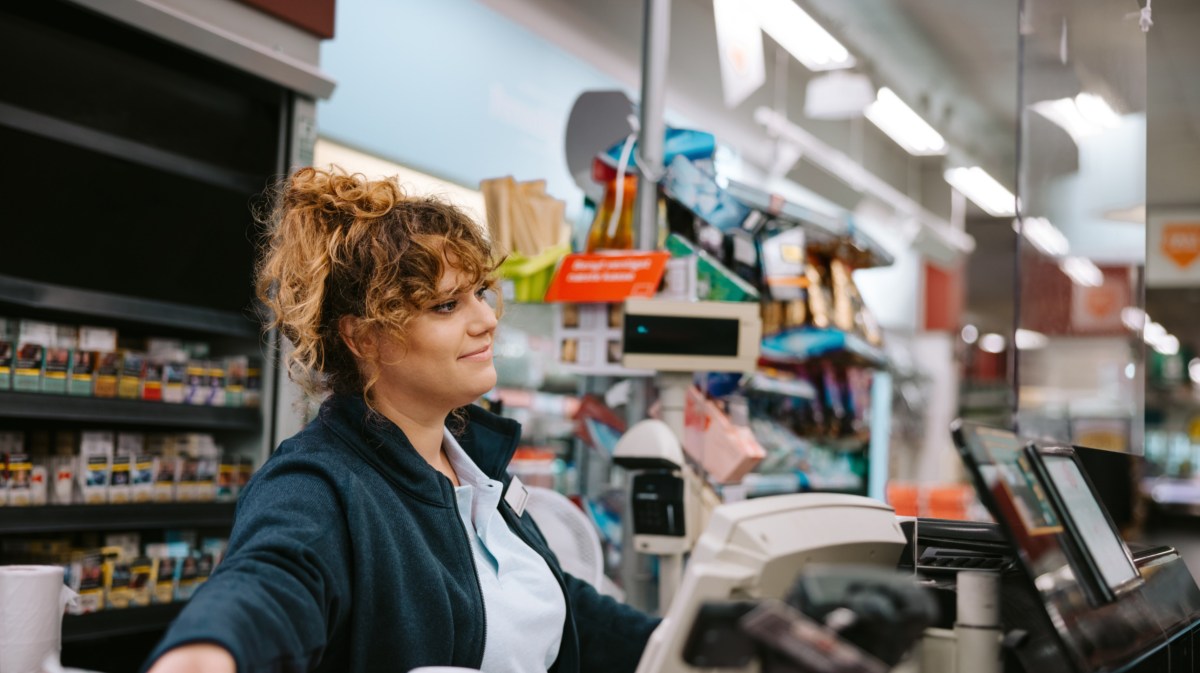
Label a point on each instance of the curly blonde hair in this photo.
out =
(337, 245)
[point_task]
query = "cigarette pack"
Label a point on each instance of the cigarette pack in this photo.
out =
(89, 568)
(56, 367)
(96, 459)
(216, 384)
(107, 371)
(81, 379)
(20, 469)
(195, 387)
(33, 337)
(152, 386)
(7, 351)
(133, 375)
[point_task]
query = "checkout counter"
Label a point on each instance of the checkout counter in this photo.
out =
(838, 584)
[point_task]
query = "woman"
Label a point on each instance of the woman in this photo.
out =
(383, 537)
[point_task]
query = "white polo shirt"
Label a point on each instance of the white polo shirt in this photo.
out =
(524, 604)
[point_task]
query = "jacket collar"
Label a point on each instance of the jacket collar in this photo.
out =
(488, 439)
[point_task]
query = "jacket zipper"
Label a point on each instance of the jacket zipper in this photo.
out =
(478, 584)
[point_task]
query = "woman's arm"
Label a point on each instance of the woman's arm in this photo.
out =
(285, 582)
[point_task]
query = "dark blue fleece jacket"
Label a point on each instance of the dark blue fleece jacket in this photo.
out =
(347, 554)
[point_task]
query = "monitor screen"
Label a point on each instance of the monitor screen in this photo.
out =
(680, 335)
(1091, 523)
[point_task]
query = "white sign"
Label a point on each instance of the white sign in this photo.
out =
(740, 50)
(1173, 249)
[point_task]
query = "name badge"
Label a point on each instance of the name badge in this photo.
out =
(517, 496)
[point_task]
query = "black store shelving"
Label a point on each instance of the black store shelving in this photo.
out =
(112, 623)
(133, 516)
(82, 302)
(116, 411)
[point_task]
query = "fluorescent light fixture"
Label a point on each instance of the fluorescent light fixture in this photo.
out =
(1168, 345)
(970, 334)
(904, 125)
(1157, 337)
(1133, 317)
(1043, 235)
(983, 190)
(1082, 271)
(1028, 340)
(1083, 116)
(1194, 370)
(991, 343)
(801, 35)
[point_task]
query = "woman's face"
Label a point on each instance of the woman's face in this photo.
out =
(446, 359)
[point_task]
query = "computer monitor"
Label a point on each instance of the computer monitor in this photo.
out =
(1085, 520)
(1043, 502)
(756, 549)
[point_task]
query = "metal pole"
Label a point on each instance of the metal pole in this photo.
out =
(656, 43)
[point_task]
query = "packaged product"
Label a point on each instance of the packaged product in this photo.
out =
(7, 351)
(90, 571)
(252, 397)
(96, 459)
(107, 371)
(174, 377)
(152, 382)
(56, 366)
(195, 388)
(33, 338)
(142, 570)
(81, 377)
(216, 384)
(20, 476)
(133, 375)
(236, 368)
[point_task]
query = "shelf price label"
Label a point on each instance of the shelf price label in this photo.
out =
(607, 276)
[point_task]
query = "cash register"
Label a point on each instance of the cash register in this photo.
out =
(1073, 597)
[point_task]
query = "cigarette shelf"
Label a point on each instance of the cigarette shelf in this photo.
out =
(76, 302)
(122, 622)
(116, 411)
(133, 516)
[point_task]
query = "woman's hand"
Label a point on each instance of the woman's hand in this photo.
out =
(195, 658)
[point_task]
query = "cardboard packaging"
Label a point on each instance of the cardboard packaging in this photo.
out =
(33, 337)
(56, 367)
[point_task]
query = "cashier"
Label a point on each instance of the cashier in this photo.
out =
(386, 535)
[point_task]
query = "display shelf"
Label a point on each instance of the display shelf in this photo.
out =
(133, 516)
(81, 302)
(798, 345)
(123, 622)
(115, 411)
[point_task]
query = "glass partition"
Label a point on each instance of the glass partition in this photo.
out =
(1080, 223)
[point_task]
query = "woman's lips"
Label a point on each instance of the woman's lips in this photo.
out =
(481, 355)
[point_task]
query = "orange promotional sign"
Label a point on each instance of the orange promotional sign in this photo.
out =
(1181, 242)
(607, 276)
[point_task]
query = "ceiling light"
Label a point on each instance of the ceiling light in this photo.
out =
(1027, 339)
(1082, 116)
(1043, 235)
(1082, 271)
(970, 334)
(1194, 370)
(1133, 317)
(801, 35)
(991, 343)
(1168, 345)
(983, 190)
(904, 125)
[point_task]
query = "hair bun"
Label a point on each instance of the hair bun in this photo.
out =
(335, 194)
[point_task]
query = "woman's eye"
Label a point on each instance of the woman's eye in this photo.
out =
(481, 293)
(446, 307)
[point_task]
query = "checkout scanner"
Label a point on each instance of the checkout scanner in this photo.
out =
(1072, 596)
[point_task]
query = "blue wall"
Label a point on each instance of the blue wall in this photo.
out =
(454, 89)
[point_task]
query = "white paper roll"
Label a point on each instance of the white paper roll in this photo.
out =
(31, 609)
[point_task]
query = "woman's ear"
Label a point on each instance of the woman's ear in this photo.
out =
(360, 342)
